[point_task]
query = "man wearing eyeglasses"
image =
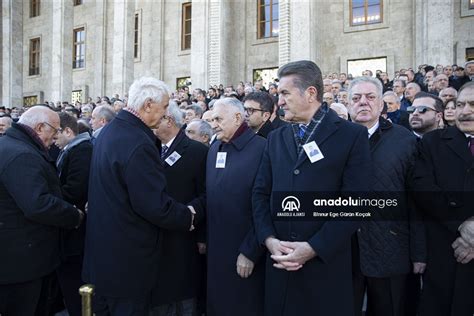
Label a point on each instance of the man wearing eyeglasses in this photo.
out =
(390, 233)
(32, 210)
(258, 108)
(426, 113)
(444, 183)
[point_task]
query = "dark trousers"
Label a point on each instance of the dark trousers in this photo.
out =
(111, 306)
(385, 296)
(20, 299)
(181, 308)
(69, 277)
(413, 293)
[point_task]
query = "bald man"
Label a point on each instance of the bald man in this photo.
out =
(32, 210)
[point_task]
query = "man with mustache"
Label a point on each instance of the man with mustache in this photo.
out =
(390, 233)
(444, 183)
(426, 113)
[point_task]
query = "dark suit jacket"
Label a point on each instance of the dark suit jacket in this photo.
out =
(324, 285)
(444, 189)
(127, 206)
(74, 177)
(180, 265)
(394, 237)
(31, 209)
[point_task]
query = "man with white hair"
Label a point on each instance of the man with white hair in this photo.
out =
(32, 210)
(101, 116)
(341, 110)
(393, 150)
(180, 264)
(128, 205)
(232, 165)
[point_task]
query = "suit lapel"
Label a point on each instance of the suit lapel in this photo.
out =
(457, 142)
(289, 140)
(325, 129)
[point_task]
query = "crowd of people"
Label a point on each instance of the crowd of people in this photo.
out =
(174, 202)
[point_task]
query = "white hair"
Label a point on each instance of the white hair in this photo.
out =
(36, 115)
(145, 89)
(234, 103)
(392, 94)
(376, 82)
(176, 114)
(339, 106)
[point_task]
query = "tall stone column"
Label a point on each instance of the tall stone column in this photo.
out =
(98, 88)
(12, 53)
(434, 27)
(61, 50)
(284, 43)
(199, 43)
(122, 59)
(155, 50)
(215, 40)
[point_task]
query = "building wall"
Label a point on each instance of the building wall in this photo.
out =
(226, 51)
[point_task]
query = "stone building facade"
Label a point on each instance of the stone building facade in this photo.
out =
(120, 40)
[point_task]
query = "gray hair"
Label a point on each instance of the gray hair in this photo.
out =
(36, 115)
(105, 112)
(120, 103)
(145, 89)
(195, 108)
(376, 82)
(392, 94)
(232, 102)
(204, 128)
(86, 107)
(176, 114)
(455, 92)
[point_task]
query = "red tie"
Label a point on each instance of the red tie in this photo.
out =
(471, 145)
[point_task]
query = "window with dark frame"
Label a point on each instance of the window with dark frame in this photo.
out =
(469, 53)
(79, 48)
(35, 51)
(77, 2)
(471, 4)
(136, 38)
(30, 100)
(34, 8)
(181, 82)
(268, 23)
(186, 27)
(365, 12)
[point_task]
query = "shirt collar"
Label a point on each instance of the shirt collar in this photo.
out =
(168, 144)
(132, 111)
(373, 129)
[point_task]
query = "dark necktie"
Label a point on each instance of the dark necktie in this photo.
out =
(164, 149)
(471, 145)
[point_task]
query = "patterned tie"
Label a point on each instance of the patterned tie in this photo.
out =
(302, 131)
(164, 149)
(471, 145)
